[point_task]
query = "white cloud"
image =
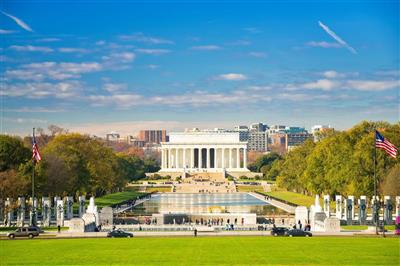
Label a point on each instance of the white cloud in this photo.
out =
(34, 110)
(118, 100)
(140, 37)
(301, 97)
(6, 31)
(49, 40)
(30, 48)
(18, 21)
(372, 85)
(37, 90)
(240, 43)
(252, 30)
(52, 70)
(324, 44)
(258, 54)
(336, 37)
(114, 87)
(333, 74)
(152, 67)
(72, 50)
(231, 76)
(322, 84)
(100, 43)
(152, 51)
(25, 120)
(120, 57)
(206, 47)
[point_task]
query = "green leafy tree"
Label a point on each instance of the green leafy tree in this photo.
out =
(12, 152)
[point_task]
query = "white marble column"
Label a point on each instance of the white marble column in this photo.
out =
(244, 158)
(230, 157)
(191, 157)
(162, 159)
(208, 159)
(215, 158)
(169, 158)
(200, 159)
(223, 157)
(237, 158)
(176, 158)
(184, 157)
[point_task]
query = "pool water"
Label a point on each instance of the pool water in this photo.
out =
(205, 203)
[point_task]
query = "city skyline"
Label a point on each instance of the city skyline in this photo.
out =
(174, 65)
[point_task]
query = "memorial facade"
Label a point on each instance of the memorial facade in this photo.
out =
(196, 151)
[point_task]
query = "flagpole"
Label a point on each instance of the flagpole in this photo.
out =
(376, 214)
(33, 221)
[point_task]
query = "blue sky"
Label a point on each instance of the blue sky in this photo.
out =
(96, 67)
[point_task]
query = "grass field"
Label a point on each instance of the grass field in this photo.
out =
(159, 189)
(203, 251)
(249, 188)
(116, 198)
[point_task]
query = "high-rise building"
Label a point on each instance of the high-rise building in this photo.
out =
(153, 136)
(112, 136)
(255, 135)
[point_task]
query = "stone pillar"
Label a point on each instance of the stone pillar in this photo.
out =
(81, 201)
(55, 206)
(200, 158)
(375, 209)
(362, 210)
(245, 158)
(162, 158)
(338, 206)
(33, 210)
(349, 212)
(208, 158)
(230, 157)
(176, 158)
(215, 159)
(169, 158)
(387, 211)
(60, 212)
(184, 158)
(223, 158)
(191, 157)
(8, 212)
(397, 206)
(237, 158)
(326, 205)
(69, 202)
(46, 211)
(21, 212)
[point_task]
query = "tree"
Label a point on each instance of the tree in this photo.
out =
(391, 184)
(12, 152)
(12, 184)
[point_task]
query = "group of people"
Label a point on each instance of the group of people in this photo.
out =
(299, 225)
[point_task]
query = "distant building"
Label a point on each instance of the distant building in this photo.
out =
(317, 129)
(296, 139)
(256, 136)
(113, 136)
(153, 136)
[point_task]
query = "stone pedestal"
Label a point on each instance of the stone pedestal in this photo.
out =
(81, 201)
(375, 209)
(326, 205)
(21, 212)
(349, 213)
(362, 210)
(338, 199)
(301, 214)
(387, 212)
(60, 212)
(92, 209)
(89, 222)
(54, 213)
(332, 225)
(397, 206)
(8, 219)
(46, 211)
(69, 203)
(77, 225)
(33, 210)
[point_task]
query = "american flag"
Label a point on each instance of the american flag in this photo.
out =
(35, 151)
(382, 143)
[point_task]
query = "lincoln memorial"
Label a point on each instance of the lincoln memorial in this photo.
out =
(204, 151)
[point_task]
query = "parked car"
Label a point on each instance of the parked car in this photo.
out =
(298, 232)
(279, 231)
(30, 232)
(119, 233)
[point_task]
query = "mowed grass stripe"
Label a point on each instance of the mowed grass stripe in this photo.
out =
(203, 251)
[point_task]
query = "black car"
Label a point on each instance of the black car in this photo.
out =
(119, 233)
(279, 231)
(298, 232)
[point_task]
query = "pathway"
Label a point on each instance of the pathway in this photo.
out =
(126, 207)
(276, 203)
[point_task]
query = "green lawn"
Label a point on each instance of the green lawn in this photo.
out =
(363, 227)
(202, 251)
(159, 189)
(249, 188)
(297, 198)
(116, 198)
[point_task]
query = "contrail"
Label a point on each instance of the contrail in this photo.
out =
(18, 21)
(337, 38)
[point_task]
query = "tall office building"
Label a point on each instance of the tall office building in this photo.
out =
(255, 135)
(153, 136)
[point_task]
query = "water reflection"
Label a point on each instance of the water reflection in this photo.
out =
(205, 203)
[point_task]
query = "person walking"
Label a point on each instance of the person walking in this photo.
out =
(195, 232)
(58, 228)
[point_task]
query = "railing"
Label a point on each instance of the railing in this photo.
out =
(277, 199)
